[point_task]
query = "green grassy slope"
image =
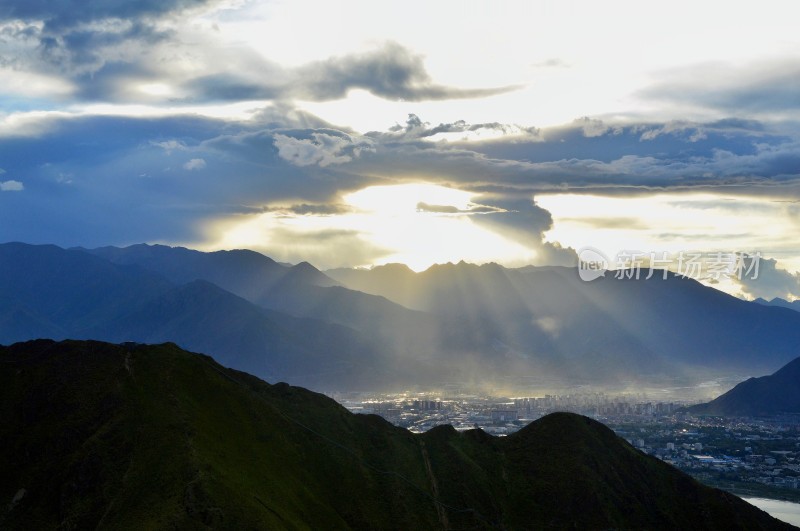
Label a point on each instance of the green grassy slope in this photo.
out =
(95, 435)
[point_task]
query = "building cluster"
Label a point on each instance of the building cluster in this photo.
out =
(496, 415)
(594, 404)
(736, 454)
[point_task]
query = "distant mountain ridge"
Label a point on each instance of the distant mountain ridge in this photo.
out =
(300, 290)
(246, 273)
(776, 394)
(483, 327)
(777, 301)
(668, 326)
(46, 291)
(101, 436)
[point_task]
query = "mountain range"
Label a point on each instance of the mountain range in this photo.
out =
(389, 327)
(612, 327)
(102, 436)
(775, 394)
(46, 291)
(777, 301)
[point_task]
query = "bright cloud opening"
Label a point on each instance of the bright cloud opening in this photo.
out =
(385, 223)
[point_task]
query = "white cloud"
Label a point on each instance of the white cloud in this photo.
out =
(593, 127)
(11, 186)
(169, 145)
(195, 164)
(321, 149)
(771, 281)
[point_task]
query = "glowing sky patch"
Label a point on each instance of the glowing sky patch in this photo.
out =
(672, 223)
(388, 221)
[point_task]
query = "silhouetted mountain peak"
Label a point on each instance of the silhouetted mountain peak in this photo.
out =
(394, 268)
(307, 274)
(563, 430)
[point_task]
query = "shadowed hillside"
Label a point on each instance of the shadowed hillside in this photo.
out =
(129, 437)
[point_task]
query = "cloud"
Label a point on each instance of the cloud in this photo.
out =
(391, 72)
(620, 222)
(194, 164)
(271, 164)
(322, 149)
(11, 186)
(67, 13)
(449, 209)
(283, 115)
(169, 145)
(100, 50)
(416, 129)
(520, 219)
(593, 127)
(754, 88)
(768, 281)
(305, 209)
(690, 131)
(725, 155)
(108, 57)
(554, 62)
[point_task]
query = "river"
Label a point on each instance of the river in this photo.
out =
(782, 510)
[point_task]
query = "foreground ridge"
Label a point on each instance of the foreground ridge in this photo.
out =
(137, 436)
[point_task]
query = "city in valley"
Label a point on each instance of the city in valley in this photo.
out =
(749, 456)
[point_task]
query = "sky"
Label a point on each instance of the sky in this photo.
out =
(353, 134)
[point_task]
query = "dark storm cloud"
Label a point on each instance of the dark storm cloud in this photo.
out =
(768, 87)
(108, 56)
(59, 14)
(99, 49)
(519, 218)
(641, 156)
(113, 179)
(391, 72)
(282, 115)
(106, 47)
(230, 87)
(109, 60)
